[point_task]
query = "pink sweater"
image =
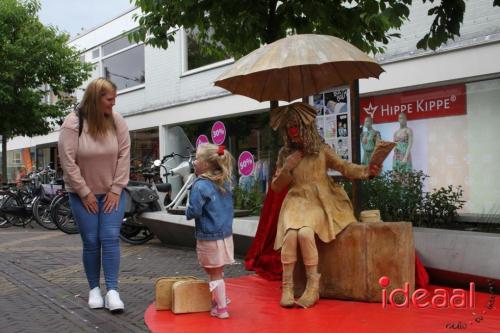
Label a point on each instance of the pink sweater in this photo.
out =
(96, 166)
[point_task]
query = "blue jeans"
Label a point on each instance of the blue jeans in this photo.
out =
(99, 232)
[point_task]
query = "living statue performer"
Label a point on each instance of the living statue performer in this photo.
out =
(404, 141)
(369, 139)
(314, 204)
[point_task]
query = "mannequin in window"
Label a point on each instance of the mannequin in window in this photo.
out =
(369, 139)
(403, 138)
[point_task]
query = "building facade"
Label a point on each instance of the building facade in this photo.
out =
(160, 89)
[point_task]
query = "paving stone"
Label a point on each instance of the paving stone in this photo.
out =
(43, 286)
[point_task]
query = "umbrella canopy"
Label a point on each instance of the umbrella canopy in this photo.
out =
(297, 66)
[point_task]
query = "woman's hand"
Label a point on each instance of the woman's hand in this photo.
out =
(90, 203)
(374, 170)
(111, 202)
(293, 160)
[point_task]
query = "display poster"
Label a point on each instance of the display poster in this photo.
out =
(333, 120)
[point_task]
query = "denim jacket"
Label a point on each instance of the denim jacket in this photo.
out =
(211, 209)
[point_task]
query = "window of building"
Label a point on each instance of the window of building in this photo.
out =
(126, 69)
(115, 46)
(198, 56)
(119, 61)
(96, 53)
(454, 129)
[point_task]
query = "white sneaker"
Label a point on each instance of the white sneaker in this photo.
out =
(113, 302)
(95, 298)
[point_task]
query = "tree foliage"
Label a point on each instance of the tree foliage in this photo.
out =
(34, 59)
(242, 26)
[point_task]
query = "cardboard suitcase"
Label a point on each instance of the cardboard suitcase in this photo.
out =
(163, 290)
(191, 296)
(352, 264)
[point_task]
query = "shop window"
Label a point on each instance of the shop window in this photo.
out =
(198, 56)
(19, 161)
(245, 133)
(144, 149)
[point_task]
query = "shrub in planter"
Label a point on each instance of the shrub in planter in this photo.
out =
(249, 200)
(401, 197)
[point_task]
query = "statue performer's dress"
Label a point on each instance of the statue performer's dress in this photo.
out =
(314, 199)
(402, 139)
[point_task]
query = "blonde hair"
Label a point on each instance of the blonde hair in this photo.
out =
(98, 124)
(220, 167)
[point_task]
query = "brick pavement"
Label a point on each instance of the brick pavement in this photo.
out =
(43, 286)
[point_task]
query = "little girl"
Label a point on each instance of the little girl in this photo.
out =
(211, 205)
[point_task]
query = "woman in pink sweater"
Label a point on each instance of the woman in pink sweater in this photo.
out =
(96, 164)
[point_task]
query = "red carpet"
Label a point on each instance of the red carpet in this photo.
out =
(255, 308)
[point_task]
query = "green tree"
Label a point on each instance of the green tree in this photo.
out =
(242, 26)
(34, 60)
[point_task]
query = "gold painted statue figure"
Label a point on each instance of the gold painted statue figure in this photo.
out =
(314, 204)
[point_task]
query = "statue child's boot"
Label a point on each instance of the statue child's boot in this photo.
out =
(287, 299)
(311, 294)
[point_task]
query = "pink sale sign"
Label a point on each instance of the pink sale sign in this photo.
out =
(246, 163)
(218, 133)
(201, 139)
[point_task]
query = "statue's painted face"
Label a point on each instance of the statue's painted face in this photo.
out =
(292, 130)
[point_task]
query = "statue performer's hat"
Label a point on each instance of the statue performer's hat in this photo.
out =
(302, 111)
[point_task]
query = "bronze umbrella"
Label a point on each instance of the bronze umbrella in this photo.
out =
(297, 66)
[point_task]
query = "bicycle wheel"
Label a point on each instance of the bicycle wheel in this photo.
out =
(13, 210)
(133, 232)
(41, 213)
(4, 223)
(62, 216)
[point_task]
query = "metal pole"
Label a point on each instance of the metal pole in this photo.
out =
(355, 144)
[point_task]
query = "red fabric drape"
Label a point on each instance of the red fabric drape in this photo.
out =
(266, 262)
(261, 256)
(421, 275)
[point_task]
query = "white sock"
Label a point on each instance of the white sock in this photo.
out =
(218, 288)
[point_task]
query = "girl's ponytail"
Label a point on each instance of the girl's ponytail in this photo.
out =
(220, 162)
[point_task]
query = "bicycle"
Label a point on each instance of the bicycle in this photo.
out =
(42, 202)
(11, 207)
(17, 202)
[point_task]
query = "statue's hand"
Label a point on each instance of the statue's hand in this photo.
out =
(293, 160)
(374, 170)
